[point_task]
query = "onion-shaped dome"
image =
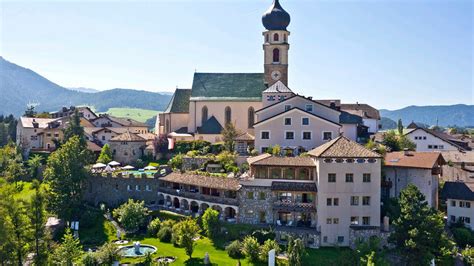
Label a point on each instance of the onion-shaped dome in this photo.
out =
(276, 18)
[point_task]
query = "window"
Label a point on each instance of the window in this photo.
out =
(289, 173)
(129, 188)
(452, 218)
(327, 135)
(349, 178)
(308, 108)
(265, 135)
(203, 114)
(303, 174)
(285, 196)
(335, 220)
(332, 178)
(147, 188)
(167, 126)
(276, 55)
(328, 221)
(329, 202)
(336, 201)
(424, 137)
(287, 107)
(266, 37)
(430, 146)
(461, 204)
(251, 117)
(275, 173)
(340, 239)
(354, 200)
(262, 217)
(270, 98)
(137, 187)
(355, 220)
(366, 201)
(48, 134)
(366, 178)
(287, 121)
(453, 203)
(325, 239)
(276, 38)
(305, 121)
(366, 220)
(228, 115)
(261, 196)
(306, 135)
(56, 135)
(250, 195)
(468, 204)
(289, 135)
(441, 147)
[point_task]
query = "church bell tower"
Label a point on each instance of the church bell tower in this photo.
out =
(276, 46)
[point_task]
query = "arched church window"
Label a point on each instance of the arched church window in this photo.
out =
(276, 55)
(276, 38)
(203, 114)
(228, 115)
(251, 117)
(167, 126)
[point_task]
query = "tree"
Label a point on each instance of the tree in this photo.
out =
(419, 230)
(107, 254)
(69, 251)
(15, 170)
(400, 127)
(34, 165)
(368, 252)
(250, 248)
(211, 223)
(38, 219)
(30, 111)
(89, 259)
(406, 143)
(131, 215)
(185, 233)
(234, 249)
(229, 133)
(65, 174)
(276, 150)
(153, 227)
(268, 245)
(295, 251)
(105, 155)
(390, 140)
(74, 128)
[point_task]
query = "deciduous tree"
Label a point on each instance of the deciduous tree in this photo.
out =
(185, 233)
(295, 250)
(105, 155)
(131, 215)
(211, 223)
(229, 133)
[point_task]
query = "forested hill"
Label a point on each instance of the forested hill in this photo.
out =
(20, 86)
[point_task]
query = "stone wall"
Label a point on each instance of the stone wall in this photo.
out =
(364, 234)
(250, 209)
(127, 153)
(194, 163)
(115, 190)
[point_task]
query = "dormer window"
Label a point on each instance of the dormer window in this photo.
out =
(271, 98)
(287, 107)
(309, 108)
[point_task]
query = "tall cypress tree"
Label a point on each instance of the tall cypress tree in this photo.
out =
(37, 217)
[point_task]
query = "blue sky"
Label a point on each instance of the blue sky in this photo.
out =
(389, 54)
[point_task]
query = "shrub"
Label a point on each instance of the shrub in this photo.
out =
(263, 235)
(266, 247)
(89, 218)
(276, 150)
(89, 260)
(463, 236)
(164, 234)
(107, 254)
(153, 227)
(234, 249)
(193, 153)
(468, 254)
(176, 162)
(250, 248)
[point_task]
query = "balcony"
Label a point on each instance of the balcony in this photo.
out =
(199, 196)
(294, 206)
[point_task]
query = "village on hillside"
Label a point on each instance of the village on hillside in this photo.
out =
(240, 169)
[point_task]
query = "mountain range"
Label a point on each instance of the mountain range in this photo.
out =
(20, 86)
(461, 115)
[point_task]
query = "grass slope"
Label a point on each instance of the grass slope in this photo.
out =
(141, 115)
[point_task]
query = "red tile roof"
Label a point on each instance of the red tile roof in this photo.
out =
(423, 160)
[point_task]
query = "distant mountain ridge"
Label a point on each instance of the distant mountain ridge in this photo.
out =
(20, 86)
(444, 115)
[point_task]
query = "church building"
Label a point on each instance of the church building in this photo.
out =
(256, 102)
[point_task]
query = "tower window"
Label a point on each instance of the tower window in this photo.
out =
(251, 117)
(284, 37)
(203, 114)
(266, 37)
(276, 38)
(276, 55)
(228, 115)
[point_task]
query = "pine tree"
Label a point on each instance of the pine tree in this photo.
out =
(400, 127)
(105, 155)
(70, 250)
(30, 111)
(419, 232)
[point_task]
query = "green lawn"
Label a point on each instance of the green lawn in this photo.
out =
(134, 113)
